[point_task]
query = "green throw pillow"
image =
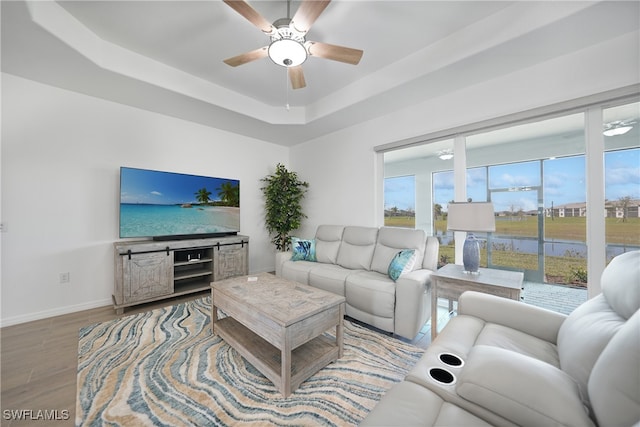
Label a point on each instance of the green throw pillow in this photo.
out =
(402, 263)
(303, 250)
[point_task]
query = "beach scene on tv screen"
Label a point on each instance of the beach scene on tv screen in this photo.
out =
(155, 203)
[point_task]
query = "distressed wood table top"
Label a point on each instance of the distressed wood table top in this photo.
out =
(281, 300)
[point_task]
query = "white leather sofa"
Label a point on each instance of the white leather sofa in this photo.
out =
(523, 365)
(353, 262)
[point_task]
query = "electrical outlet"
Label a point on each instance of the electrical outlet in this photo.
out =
(65, 277)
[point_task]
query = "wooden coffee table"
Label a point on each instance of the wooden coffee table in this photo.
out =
(277, 325)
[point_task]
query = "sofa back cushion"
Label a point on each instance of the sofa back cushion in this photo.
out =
(614, 385)
(620, 283)
(328, 240)
(391, 241)
(356, 249)
(587, 331)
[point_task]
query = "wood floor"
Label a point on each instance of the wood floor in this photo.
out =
(38, 362)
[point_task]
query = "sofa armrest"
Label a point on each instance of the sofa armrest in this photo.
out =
(413, 307)
(281, 257)
(532, 320)
(521, 389)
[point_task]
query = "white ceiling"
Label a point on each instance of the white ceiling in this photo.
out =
(166, 56)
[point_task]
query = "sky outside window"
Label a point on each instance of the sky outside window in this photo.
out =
(400, 192)
(564, 181)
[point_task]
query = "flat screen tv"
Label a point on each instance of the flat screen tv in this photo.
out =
(167, 205)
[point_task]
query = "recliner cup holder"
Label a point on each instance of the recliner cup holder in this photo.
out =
(442, 376)
(451, 359)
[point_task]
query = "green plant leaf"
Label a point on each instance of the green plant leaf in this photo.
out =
(283, 193)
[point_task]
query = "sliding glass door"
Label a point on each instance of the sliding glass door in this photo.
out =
(535, 173)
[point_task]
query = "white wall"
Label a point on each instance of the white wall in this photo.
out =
(61, 154)
(342, 168)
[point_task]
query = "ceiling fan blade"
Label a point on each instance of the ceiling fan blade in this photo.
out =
(307, 14)
(249, 13)
(247, 57)
(297, 77)
(335, 53)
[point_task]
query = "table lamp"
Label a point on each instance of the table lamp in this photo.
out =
(471, 217)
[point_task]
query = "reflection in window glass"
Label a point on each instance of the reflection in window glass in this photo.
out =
(514, 175)
(622, 178)
(443, 194)
(408, 181)
(477, 184)
(400, 201)
(565, 197)
(622, 201)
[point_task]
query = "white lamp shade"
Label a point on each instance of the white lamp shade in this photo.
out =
(471, 216)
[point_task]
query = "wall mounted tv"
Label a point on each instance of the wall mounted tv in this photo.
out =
(167, 205)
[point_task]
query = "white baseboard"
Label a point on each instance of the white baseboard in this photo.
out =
(30, 317)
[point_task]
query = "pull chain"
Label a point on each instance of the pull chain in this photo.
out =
(286, 88)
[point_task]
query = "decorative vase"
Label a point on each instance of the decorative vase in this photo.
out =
(471, 254)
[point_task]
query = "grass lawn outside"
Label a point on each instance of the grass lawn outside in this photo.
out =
(569, 268)
(400, 221)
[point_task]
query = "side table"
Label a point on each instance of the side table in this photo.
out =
(451, 281)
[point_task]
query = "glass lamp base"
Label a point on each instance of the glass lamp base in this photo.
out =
(471, 254)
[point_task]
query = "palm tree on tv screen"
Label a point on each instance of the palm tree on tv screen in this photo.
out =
(202, 195)
(229, 194)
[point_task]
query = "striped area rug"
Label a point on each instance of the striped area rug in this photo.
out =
(164, 367)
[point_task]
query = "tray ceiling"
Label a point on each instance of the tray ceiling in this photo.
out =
(166, 56)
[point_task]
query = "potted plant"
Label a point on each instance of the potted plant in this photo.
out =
(283, 194)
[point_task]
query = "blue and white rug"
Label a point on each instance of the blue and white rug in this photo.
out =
(164, 367)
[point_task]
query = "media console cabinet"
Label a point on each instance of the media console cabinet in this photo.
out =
(148, 270)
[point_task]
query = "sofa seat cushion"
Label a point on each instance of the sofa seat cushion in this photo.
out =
(408, 404)
(330, 277)
(521, 389)
(519, 342)
(297, 271)
(371, 292)
(462, 332)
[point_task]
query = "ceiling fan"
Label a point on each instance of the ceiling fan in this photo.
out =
(618, 127)
(288, 47)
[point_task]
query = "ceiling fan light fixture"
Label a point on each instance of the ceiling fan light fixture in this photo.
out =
(615, 131)
(445, 154)
(287, 44)
(287, 52)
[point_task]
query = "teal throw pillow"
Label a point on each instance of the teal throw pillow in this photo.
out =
(402, 263)
(303, 250)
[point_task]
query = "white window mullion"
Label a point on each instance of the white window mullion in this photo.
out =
(459, 187)
(596, 238)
